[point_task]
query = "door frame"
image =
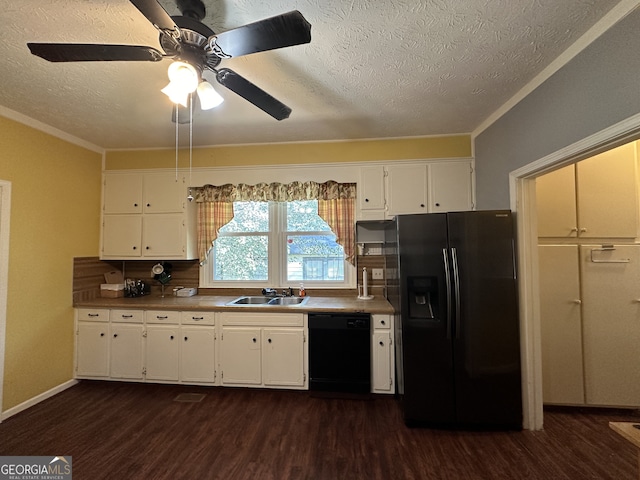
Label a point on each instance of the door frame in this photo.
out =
(522, 194)
(5, 211)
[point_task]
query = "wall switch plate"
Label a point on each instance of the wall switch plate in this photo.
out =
(377, 273)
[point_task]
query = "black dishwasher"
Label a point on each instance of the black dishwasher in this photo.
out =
(340, 352)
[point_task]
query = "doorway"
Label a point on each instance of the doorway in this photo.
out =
(523, 202)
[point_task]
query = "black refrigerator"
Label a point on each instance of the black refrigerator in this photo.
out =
(457, 327)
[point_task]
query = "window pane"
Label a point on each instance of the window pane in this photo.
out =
(248, 217)
(241, 258)
(302, 216)
(314, 257)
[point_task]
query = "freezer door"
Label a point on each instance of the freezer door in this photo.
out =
(426, 366)
(486, 322)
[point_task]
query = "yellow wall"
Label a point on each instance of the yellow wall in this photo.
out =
(55, 216)
(453, 146)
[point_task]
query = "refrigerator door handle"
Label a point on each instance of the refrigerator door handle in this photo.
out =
(447, 279)
(456, 282)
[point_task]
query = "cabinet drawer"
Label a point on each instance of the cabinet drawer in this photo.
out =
(162, 316)
(93, 314)
(197, 318)
(382, 321)
(262, 319)
(128, 316)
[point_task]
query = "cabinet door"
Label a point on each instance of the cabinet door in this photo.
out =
(122, 236)
(381, 374)
(561, 324)
(556, 203)
(371, 188)
(283, 357)
(163, 193)
(607, 194)
(92, 350)
(126, 356)
(163, 236)
(611, 318)
(240, 354)
(450, 187)
(123, 193)
(163, 344)
(407, 189)
(197, 361)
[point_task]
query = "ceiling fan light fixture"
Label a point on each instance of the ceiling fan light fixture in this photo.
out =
(176, 94)
(208, 96)
(184, 75)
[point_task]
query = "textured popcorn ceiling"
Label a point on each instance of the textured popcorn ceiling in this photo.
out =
(374, 68)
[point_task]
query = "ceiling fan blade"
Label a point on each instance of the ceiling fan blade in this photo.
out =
(158, 16)
(280, 31)
(253, 94)
(88, 52)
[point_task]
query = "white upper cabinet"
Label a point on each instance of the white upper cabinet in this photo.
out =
(164, 193)
(450, 187)
(439, 186)
(371, 188)
(407, 189)
(122, 193)
(556, 204)
(595, 198)
(607, 194)
(147, 215)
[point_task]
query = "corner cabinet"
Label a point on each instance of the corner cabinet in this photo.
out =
(147, 215)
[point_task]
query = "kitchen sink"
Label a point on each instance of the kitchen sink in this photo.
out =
(288, 300)
(266, 301)
(260, 300)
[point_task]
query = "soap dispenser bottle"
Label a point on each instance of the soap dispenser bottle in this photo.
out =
(301, 292)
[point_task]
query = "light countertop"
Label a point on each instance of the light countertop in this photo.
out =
(347, 304)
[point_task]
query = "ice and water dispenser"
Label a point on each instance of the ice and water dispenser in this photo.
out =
(423, 297)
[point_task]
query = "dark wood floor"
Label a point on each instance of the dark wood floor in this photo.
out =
(139, 431)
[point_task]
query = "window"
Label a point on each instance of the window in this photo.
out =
(276, 244)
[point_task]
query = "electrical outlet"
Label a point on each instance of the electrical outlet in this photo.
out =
(377, 273)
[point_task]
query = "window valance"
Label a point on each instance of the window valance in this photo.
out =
(275, 192)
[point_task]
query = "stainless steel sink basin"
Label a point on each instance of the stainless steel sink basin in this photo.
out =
(250, 301)
(266, 301)
(288, 300)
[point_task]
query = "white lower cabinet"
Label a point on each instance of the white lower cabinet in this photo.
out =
(92, 347)
(382, 355)
(163, 353)
(267, 349)
(282, 357)
(240, 356)
(197, 354)
(127, 351)
(252, 349)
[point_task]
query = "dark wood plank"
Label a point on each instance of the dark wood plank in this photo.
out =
(139, 431)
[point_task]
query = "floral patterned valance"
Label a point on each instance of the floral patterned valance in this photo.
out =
(275, 192)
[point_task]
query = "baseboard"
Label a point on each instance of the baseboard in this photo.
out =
(37, 399)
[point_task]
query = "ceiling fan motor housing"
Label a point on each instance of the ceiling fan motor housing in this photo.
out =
(193, 36)
(192, 8)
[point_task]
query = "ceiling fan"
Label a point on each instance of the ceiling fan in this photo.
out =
(195, 48)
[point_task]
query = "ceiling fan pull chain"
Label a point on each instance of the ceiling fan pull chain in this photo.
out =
(190, 197)
(177, 123)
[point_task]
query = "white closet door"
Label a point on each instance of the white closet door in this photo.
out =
(561, 325)
(611, 323)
